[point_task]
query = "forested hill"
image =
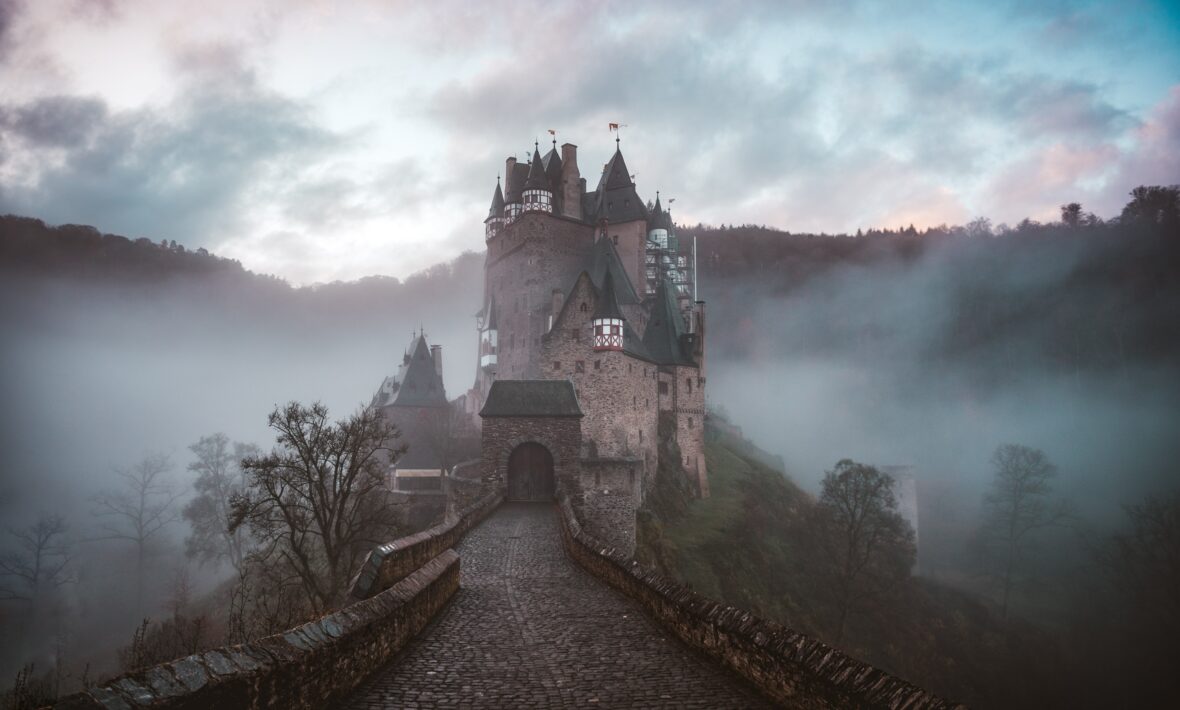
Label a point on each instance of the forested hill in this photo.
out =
(1063, 298)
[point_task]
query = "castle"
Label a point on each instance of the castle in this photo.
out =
(591, 360)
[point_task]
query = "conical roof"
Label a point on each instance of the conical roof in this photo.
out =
(662, 338)
(497, 209)
(421, 385)
(616, 176)
(608, 302)
(659, 219)
(553, 167)
(537, 180)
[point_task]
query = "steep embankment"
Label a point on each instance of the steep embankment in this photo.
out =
(744, 545)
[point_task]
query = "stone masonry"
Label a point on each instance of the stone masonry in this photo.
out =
(530, 629)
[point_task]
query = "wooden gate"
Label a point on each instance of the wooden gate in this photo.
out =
(530, 474)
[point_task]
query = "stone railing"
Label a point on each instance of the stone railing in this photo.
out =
(790, 667)
(310, 666)
(389, 563)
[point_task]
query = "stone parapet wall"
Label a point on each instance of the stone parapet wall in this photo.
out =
(609, 499)
(789, 667)
(390, 563)
(310, 666)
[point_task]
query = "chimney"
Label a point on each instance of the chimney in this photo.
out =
(509, 175)
(436, 355)
(571, 182)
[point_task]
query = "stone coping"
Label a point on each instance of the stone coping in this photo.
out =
(309, 666)
(393, 561)
(788, 666)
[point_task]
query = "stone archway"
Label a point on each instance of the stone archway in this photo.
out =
(530, 473)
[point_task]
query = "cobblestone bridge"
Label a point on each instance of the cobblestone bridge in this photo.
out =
(530, 629)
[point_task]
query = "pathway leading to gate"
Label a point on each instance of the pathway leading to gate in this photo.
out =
(530, 629)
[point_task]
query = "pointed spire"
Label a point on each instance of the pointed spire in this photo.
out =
(615, 174)
(496, 211)
(537, 180)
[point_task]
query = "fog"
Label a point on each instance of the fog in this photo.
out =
(96, 375)
(851, 361)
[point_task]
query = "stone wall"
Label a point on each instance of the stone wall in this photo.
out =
(609, 498)
(562, 436)
(525, 261)
(617, 392)
(310, 666)
(791, 668)
(390, 563)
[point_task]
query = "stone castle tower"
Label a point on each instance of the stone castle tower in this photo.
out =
(591, 287)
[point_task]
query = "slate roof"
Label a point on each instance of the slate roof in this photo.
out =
(531, 398)
(421, 386)
(537, 179)
(497, 208)
(662, 338)
(553, 167)
(604, 259)
(659, 218)
(607, 305)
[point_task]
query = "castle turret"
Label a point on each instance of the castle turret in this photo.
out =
(658, 226)
(608, 318)
(495, 219)
(537, 196)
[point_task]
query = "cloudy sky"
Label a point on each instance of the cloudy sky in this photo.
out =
(317, 141)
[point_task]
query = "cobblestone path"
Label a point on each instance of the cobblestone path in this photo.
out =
(530, 629)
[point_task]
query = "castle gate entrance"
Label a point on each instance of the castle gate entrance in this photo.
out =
(530, 474)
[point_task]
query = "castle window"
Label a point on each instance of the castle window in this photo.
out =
(616, 239)
(557, 365)
(690, 422)
(634, 400)
(663, 388)
(598, 364)
(646, 402)
(641, 436)
(688, 384)
(583, 307)
(580, 366)
(628, 368)
(576, 334)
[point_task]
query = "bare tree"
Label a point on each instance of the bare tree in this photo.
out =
(139, 510)
(316, 503)
(1143, 561)
(219, 478)
(1017, 506)
(865, 548)
(40, 562)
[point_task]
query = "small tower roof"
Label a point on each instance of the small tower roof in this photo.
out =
(421, 386)
(537, 180)
(616, 176)
(552, 163)
(659, 219)
(608, 302)
(497, 208)
(662, 337)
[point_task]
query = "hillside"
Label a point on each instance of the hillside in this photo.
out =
(742, 545)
